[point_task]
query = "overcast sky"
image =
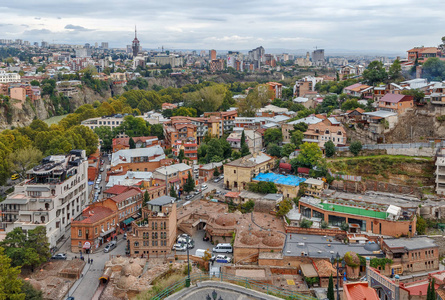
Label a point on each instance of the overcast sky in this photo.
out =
(371, 25)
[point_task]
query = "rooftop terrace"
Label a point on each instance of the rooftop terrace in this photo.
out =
(280, 179)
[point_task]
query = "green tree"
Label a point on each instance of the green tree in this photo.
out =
(24, 159)
(214, 149)
(375, 73)
(329, 103)
(244, 147)
(34, 83)
(351, 104)
(30, 292)
(236, 154)
(181, 155)
(132, 143)
(272, 135)
(296, 138)
(146, 198)
(287, 149)
(216, 172)
(329, 148)
(421, 225)
(256, 98)
(330, 294)
(189, 184)
(284, 207)
(355, 147)
(10, 283)
(310, 154)
(173, 192)
(434, 69)
(306, 223)
(395, 71)
(106, 135)
(185, 111)
(274, 150)
(417, 94)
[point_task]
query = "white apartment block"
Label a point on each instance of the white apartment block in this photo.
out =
(440, 173)
(9, 77)
(54, 193)
(112, 122)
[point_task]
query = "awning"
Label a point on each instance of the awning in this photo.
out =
(128, 221)
(102, 234)
(308, 270)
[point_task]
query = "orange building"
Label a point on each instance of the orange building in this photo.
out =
(359, 290)
(167, 105)
(396, 103)
(140, 142)
(128, 204)
(140, 159)
(96, 225)
(423, 53)
(276, 88)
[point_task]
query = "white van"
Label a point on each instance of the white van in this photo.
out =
(223, 248)
(200, 252)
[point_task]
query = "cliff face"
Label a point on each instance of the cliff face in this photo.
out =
(44, 109)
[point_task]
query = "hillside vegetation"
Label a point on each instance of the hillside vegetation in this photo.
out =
(402, 170)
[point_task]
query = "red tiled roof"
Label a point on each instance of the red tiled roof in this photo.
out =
(117, 189)
(96, 214)
(130, 193)
(285, 166)
(395, 98)
(359, 290)
(303, 170)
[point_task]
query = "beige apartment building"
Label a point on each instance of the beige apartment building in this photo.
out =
(241, 171)
(156, 233)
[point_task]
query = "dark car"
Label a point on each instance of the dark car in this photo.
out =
(205, 238)
(59, 256)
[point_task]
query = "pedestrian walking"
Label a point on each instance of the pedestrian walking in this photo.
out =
(91, 261)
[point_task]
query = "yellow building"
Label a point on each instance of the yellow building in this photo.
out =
(315, 187)
(241, 171)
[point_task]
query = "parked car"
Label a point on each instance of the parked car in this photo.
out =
(204, 187)
(101, 169)
(218, 192)
(216, 180)
(223, 259)
(188, 197)
(179, 247)
(125, 236)
(183, 236)
(110, 246)
(15, 177)
(222, 176)
(59, 256)
(195, 192)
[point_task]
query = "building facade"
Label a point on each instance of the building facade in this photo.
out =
(156, 234)
(54, 193)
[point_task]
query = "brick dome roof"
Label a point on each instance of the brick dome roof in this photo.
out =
(273, 240)
(226, 220)
(250, 239)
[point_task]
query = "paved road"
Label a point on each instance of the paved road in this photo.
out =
(86, 286)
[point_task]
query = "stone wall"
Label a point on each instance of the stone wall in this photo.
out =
(373, 185)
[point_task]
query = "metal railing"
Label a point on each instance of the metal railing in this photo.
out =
(238, 280)
(397, 146)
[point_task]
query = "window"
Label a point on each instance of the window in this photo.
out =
(234, 171)
(79, 233)
(95, 230)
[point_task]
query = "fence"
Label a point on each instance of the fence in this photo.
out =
(396, 146)
(241, 281)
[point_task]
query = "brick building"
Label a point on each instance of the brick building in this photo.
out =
(140, 142)
(141, 159)
(396, 103)
(156, 233)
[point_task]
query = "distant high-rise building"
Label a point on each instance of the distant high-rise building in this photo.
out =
(36, 44)
(135, 46)
(87, 45)
(318, 57)
(104, 45)
(84, 52)
(212, 54)
(44, 44)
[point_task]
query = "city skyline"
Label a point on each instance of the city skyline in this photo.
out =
(359, 26)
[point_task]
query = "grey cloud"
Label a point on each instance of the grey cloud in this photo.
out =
(37, 32)
(77, 28)
(36, 18)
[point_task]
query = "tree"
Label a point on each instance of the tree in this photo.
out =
(244, 147)
(132, 143)
(296, 138)
(351, 104)
(216, 172)
(306, 223)
(146, 198)
(330, 294)
(344, 226)
(417, 94)
(30, 292)
(106, 135)
(236, 154)
(355, 147)
(272, 135)
(329, 103)
(24, 159)
(214, 149)
(173, 192)
(287, 149)
(273, 150)
(309, 155)
(35, 83)
(256, 98)
(189, 184)
(329, 148)
(181, 155)
(375, 73)
(395, 71)
(434, 69)
(284, 207)
(185, 111)
(421, 225)
(10, 282)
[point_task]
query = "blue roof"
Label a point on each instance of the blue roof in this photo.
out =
(280, 179)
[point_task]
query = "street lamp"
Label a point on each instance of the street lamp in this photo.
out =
(337, 257)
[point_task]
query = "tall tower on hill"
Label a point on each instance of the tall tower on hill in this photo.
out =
(135, 45)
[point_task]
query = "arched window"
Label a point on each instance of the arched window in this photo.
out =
(136, 244)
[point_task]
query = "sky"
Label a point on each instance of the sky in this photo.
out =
(391, 26)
